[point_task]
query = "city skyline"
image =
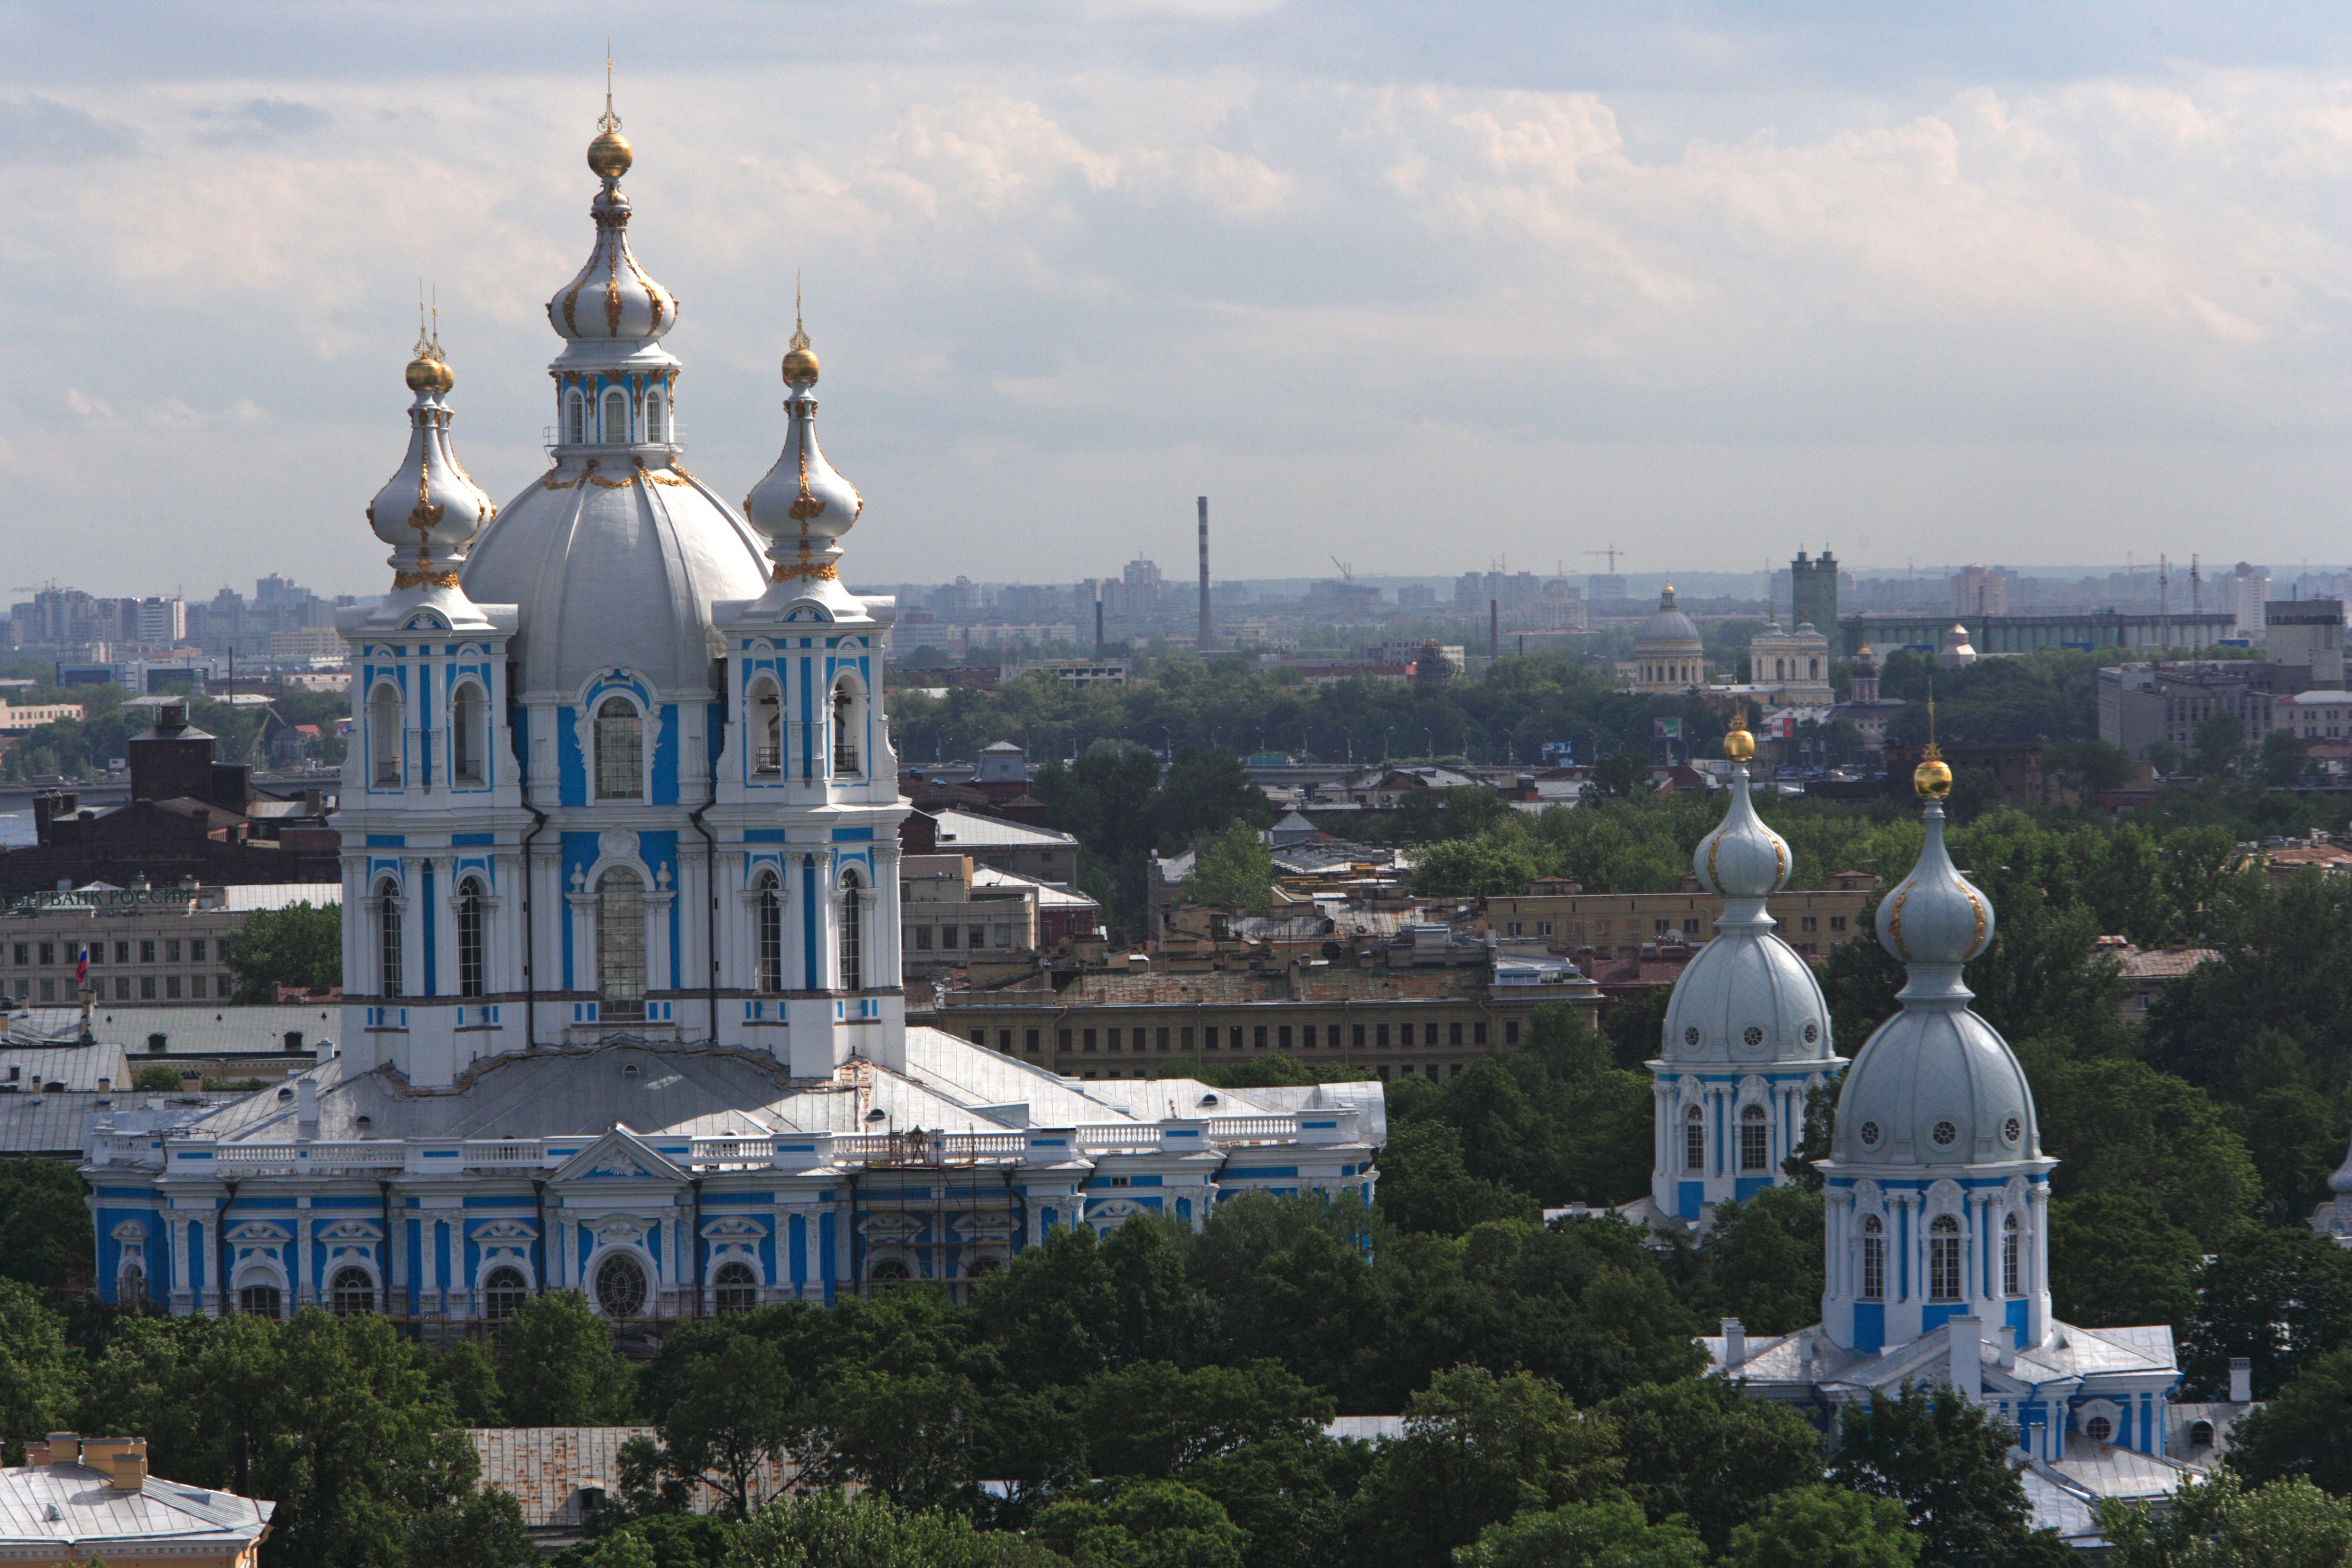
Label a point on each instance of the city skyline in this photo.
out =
(1729, 278)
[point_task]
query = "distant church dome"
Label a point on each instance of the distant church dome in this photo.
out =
(1668, 626)
(615, 554)
(1668, 653)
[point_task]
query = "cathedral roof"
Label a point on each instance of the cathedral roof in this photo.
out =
(1668, 627)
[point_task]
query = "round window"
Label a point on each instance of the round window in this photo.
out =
(1870, 1134)
(1753, 1035)
(620, 1287)
(2098, 1428)
(2012, 1130)
(1690, 1036)
(1813, 1033)
(1945, 1134)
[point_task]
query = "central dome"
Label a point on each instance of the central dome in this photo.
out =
(1668, 626)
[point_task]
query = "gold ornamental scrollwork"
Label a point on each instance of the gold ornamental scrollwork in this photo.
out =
(410, 579)
(1895, 922)
(551, 482)
(808, 508)
(814, 570)
(1977, 904)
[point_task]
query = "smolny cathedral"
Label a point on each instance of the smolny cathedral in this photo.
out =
(621, 924)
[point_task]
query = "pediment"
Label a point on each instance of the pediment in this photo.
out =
(506, 1230)
(734, 1225)
(619, 1154)
(886, 1227)
(260, 1233)
(131, 1232)
(350, 1230)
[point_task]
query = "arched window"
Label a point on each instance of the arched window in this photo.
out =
(384, 735)
(503, 1294)
(891, 1271)
(1753, 1128)
(655, 429)
(1944, 1259)
(620, 1287)
(1814, 669)
(388, 938)
(469, 938)
(2009, 1256)
(770, 915)
(1694, 1139)
(1874, 1259)
(847, 721)
(575, 418)
(737, 1288)
(130, 1288)
(853, 933)
(766, 718)
(617, 417)
(620, 750)
(621, 944)
(468, 745)
(349, 1292)
(260, 1301)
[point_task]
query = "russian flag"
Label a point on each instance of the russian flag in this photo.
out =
(81, 968)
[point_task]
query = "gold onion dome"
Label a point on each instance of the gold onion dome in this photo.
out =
(430, 373)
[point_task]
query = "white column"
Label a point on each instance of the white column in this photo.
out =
(303, 1295)
(179, 1243)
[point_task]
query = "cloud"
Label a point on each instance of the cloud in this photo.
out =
(262, 120)
(87, 406)
(34, 129)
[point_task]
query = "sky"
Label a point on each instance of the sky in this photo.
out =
(1420, 288)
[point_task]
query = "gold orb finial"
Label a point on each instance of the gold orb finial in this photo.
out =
(1933, 777)
(609, 155)
(1737, 743)
(428, 371)
(800, 360)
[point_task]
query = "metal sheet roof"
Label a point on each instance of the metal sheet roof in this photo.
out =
(89, 1509)
(963, 828)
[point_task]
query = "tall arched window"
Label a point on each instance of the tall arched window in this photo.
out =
(1752, 1130)
(770, 914)
(469, 744)
(847, 721)
(352, 1293)
(655, 429)
(575, 418)
(503, 1294)
(1874, 1259)
(1814, 669)
(260, 1301)
(621, 944)
(738, 1289)
(2009, 1256)
(1944, 1259)
(620, 750)
(617, 417)
(853, 933)
(765, 712)
(130, 1288)
(388, 938)
(620, 1286)
(1694, 1139)
(384, 735)
(469, 938)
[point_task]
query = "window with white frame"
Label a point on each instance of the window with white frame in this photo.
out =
(767, 912)
(1694, 1139)
(847, 723)
(383, 736)
(1944, 1259)
(2009, 1256)
(469, 740)
(621, 944)
(620, 735)
(1874, 1258)
(575, 418)
(853, 933)
(1753, 1130)
(388, 938)
(766, 715)
(469, 938)
(617, 417)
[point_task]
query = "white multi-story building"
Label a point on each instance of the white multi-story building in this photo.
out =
(621, 889)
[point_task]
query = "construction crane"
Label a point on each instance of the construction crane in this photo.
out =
(1612, 553)
(1347, 573)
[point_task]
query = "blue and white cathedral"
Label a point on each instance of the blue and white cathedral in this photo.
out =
(1937, 1192)
(620, 853)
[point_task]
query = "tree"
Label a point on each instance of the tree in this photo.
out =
(1424, 1184)
(38, 1375)
(1704, 1449)
(557, 1367)
(480, 1530)
(905, 1437)
(1142, 1524)
(2115, 1261)
(156, 1079)
(827, 1529)
(2091, 767)
(1764, 1259)
(2217, 743)
(300, 945)
(2283, 1299)
(2122, 1126)
(1947, 1462)
(2299, 1434)
(1620, 776)
(467, 1376)
(1821, 1527)
(1154, 1420)
(1233, 871)
(1477, 1449)
(2222, 1524)
(740, 1410)
(1610, 1533)
(2283, 760)
(45, 1223)
(1202, 792)
(1289, 1495)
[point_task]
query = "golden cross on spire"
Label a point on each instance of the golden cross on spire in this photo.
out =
(1933, 751)
(610, 122)
(799, 336)
(424, 349)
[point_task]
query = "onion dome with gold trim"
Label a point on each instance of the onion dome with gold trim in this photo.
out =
(429, 511)
(612, 300)
(803, 507)
(1747, 998)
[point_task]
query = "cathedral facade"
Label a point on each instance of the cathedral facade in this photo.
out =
(620, 827)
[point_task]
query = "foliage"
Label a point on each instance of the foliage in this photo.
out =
(556, 1365)
(2222, 1524)
(2122, 1127)
(1152, 1419)
(1762, 1262)
(1822, 1527)
(1609, 1533)
(2281, 1298)
(2299, 1435)
(301, 944)
(1707, 1449)
(38, 1375)
(45, 1226)
(480, 1530)
(1142, 1524)
(828, 1530)
(156, 1079)
(1947, 1462)
(1234, 871)
(2116, 1259)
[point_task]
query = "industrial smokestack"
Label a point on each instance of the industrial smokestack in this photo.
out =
(1204, 573)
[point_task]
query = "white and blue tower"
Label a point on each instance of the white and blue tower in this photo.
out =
(1746, 1035)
